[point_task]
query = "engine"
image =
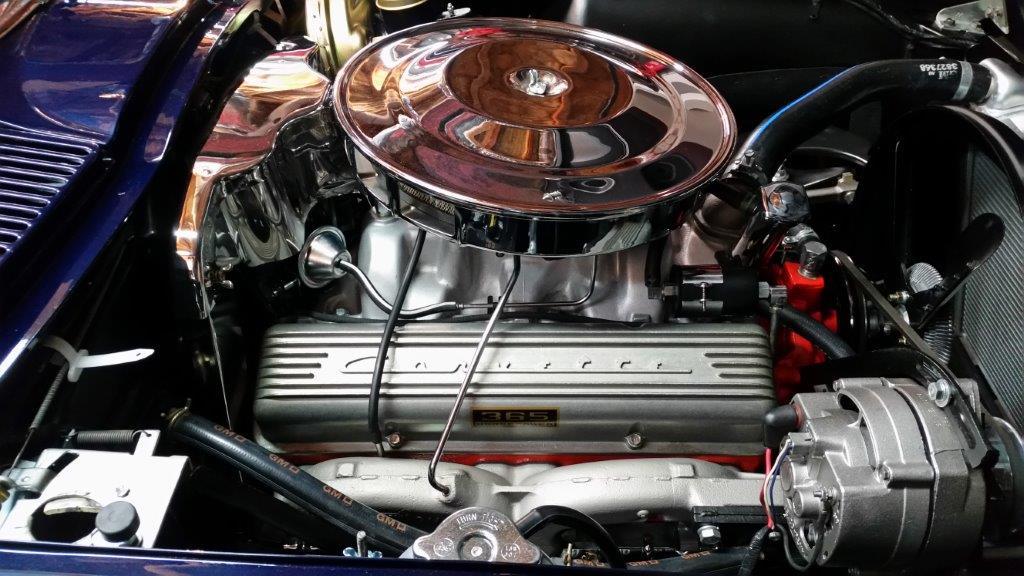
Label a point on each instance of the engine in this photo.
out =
(494, 276)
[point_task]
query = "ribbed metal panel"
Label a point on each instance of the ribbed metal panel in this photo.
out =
(993, 317)
(691, 388)
(35, 169)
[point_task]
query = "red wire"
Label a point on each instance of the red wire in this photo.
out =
(764, 499)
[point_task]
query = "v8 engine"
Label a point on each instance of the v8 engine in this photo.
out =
(525, 291)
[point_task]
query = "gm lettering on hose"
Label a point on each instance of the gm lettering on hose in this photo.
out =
(284, 464)
(229, 433)
(391, 522)
(337, 495)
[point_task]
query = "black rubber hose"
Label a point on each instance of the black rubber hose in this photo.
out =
(292, 482)
(920, 80)
(266, 508)
(543, 515)
(828, 341)
(373, 410)
(753, 552)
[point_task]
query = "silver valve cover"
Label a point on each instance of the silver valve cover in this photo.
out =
(540, 388)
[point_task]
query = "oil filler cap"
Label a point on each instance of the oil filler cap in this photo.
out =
(118, 521)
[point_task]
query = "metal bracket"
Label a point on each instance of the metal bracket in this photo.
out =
(976, 448)
(966, 18)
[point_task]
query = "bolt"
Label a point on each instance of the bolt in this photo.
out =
(634, 441)
(709, 535)
(361, 543)
(940, 392)
(885, 472)
(949, 22)
(899, 298)
(394, 439)
(797, 235)
(813, 255)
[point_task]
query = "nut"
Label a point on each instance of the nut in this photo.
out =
(709, 535)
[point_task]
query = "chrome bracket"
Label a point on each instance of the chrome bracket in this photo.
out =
(966, 18)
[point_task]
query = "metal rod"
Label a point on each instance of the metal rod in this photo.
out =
(470, 370)
(439, 307)
(384, 305)
(557, 304)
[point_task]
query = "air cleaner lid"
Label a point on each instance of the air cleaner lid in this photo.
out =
(530, 117)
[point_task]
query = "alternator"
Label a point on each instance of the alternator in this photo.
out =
(876, 477)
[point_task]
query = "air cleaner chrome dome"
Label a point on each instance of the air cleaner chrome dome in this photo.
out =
(532, 137)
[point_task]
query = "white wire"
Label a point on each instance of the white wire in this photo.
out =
(768, 498)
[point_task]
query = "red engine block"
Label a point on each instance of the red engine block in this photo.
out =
(792, 351)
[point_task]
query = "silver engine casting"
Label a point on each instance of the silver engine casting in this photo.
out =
(610, 491)
(449, 272)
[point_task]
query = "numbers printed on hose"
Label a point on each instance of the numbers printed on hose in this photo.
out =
(941, 70)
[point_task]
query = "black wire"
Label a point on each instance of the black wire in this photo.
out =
(875, 10)
(373, 414)
(819, 543)
(753, 552)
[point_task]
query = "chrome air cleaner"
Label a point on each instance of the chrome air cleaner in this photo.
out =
(531, 137)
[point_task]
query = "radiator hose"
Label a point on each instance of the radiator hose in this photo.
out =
(292, 482)
(817, 333)
(917, 80)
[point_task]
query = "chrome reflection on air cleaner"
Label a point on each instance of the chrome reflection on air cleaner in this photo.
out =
(531, 137)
